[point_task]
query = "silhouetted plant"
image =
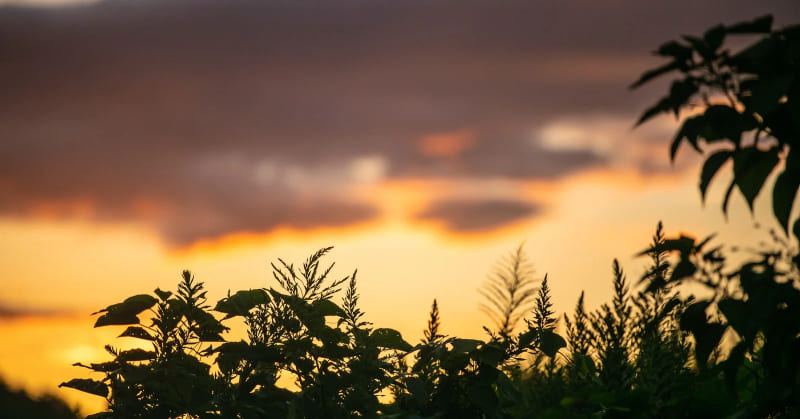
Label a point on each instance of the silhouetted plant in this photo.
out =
(753, 93)
(649, 353)
(509, 292)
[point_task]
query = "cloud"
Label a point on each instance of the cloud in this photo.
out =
(470, 215)
(13, 312)
(200, 118)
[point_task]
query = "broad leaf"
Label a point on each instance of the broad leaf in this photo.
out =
(136, 332)
(651, 74)
(751, 167)
(465, 345)
(242, 302)
(163, 295)
(389, 339)
(326, 308)
(136, 355)
(87, 386)
(712, 165)
(738, 315)
(679, 95)
(131, 305)
(785, 189)
(762, 24)
(112, 318)
(550, 343)
(690, 129)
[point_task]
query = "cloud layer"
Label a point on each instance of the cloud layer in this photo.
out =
(201, 118)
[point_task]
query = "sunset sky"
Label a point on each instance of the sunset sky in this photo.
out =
(425, 140)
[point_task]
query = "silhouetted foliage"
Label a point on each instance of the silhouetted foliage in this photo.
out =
(651, 352)
(751, 107)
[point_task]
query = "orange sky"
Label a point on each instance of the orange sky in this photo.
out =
(402, 265)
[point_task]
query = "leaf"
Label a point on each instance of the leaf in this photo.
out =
(683, 269)
(163, 295)
(683, 244)
(690, 129)
(465, 345)
(126, 311)
(326, 308)
(389, 339)
(738, 315)
(653, 73)
(785, 190)
(132, 305)
(136, 355)
(694, 316)
(87, 386)
(751, 167)
(679, 94)
(762, 24)
(721, 122)
(242, 302)
(714, 37)
(727, 198)
(109, 319)
(550, 342)
(676, 50)
(136, 332)
(712, 165)
(765, 93)
(490, 353)
(706, 334)
(706, 340)
(527, 338)
(231, 353)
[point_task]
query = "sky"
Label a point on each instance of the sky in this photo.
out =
(425, 140)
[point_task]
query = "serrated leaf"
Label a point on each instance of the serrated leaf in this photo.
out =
(710, 168)
(683, 269)
(766, 93)
(689, 130)
(110, 319)
(737, 313)
(694, 316)
(550, 342)
(676, 50)
(126, 311)
(721, 122)
(762, 24)
(389, 339)
(465, 345)
(326, 308)
(751, 167)
(714, 37)
(679, 94)
(785, 189)
(653, 73)
(727, 198)
(87, 386)
(490, 353)
(527, 338)
(242, 302)
(134, 355)
(136, 332)
(163, 295)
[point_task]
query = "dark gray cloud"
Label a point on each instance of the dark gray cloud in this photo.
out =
(13, 312)
(128, 107)
(469, 215)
